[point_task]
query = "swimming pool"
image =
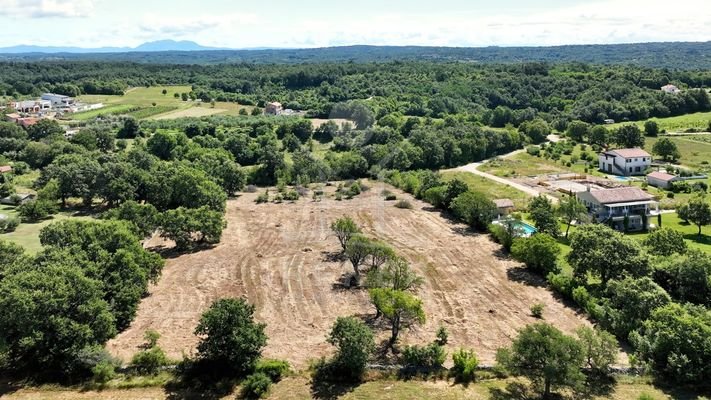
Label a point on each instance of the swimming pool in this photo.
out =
(523, 228)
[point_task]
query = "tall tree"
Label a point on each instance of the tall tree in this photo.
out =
(543, 215)
(666, 149)
(629, 136)
(344, 228)
(354, 342)
(571, 209)
(401, 309)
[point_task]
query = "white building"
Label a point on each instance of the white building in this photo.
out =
(58, 100)
(670, 89)
(273, 108)
(661, 180)
(31, 106)
(614, 206)
(625, 162)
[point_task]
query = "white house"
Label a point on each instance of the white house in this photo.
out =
(670, 89)
(625, 162)
(58, 100)
(273, 108)
(661, 180)
(614, 206)
(31, 106)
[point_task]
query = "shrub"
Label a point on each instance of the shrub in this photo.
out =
(255, 386)
(263, 198)
(442, 336)
(539, 252)
(149, 362)
(9, 224)
(291, 195)
(103, 372)
(36, 210)
(404, 204)
(437, 196)
(386, 193)
(537, 310)
(274, 369)
(464, 368)
(431, 356)
(391, 197)
(355, 189)
(251, 189)
(645, 396)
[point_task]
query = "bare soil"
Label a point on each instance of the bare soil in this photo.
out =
(283, 258)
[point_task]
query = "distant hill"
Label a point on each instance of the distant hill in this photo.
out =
(159, 45)
(674, 55)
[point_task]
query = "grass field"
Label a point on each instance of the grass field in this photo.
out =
(492, 189)
(115, 109)
(695, 150)
(301, 388)
(27, 235)
(680, 123)
(524, 164)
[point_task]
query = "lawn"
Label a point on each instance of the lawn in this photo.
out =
(524, 164)
(27, 234)
(681, 123)
(695, 150)
(492, 189)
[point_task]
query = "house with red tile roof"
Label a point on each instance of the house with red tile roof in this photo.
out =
(616, 205)
(625, 162)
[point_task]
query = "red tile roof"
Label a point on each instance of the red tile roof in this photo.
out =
(662, 176)
(621, 195)
(630, 153)
(5, 168)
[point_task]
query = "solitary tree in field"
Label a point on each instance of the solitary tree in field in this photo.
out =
(629, 136)
(666, 149)
(395, 274)
(357, 250)
(599, 135)
(571, 209)
(697, 211)
(380, 253)
(344, 228)
(354, 341)
(165, 92)
(401, 309)
(546, 356)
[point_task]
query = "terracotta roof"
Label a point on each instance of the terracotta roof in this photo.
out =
(630, 153)
(504, 203)
(662, 176)
(5, 168)
(620, 195)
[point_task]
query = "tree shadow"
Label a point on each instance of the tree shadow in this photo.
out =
(333, 256)
(171, 252)
(522, 275)
(597, 386)
(7, 388)
(324, 390)
(199, 388)
(693, 237)
(513, 391)
(347, 282)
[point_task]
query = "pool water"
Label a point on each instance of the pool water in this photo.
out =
(530, 230)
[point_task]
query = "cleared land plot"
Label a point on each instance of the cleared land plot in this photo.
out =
(190, 112)
(137, 101)
(281, 257)
(115, 109)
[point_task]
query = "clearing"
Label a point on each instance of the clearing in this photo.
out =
(283, 258)
(698, 121)
(190, 112)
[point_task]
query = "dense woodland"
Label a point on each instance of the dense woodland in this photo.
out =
(493, 95)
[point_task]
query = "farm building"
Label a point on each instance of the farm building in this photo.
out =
(274, 108)
(614, 206)
(58, 100)
(661, 180)
(670, 89)
(625, 162)
(504, 206)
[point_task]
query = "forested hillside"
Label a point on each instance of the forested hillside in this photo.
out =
(685, 55)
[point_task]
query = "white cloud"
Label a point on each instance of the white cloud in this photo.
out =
(185, 26)
(47, 8)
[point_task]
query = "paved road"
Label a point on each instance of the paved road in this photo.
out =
(474, 169)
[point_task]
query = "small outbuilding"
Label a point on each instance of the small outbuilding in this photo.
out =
(661, 180)
(5, 169)
(273, 108)
(504, 206)
(17, 199)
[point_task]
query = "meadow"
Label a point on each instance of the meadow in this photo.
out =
(696, 121)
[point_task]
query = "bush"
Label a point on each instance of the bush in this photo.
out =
(391, 197)
(404, 204)
(537, 310)
(36, 210)
(464, 368)
(274, 369)
(103, 372)
(431, 356)
(149, 362)
(263, 198)
(539, 252)
(251, 189)
(291, 195)
(9, 224)
(255, 386)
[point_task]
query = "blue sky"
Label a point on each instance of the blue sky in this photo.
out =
(316, 23)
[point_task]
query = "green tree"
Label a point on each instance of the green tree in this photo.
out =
(189, 227)
(164, 91)
(546, 356)
(354, 342)
(666, 149)
(651, 128)
(44, 128)
(539, 252)
(344, 228)
(578, 131)
(605, 253)
(629, 302)
(162, 144)
(230, 340)
(698, 212)
(454, 188)
(475, 209)
(599, 135)
(599, 348)
(665, 242)
(49, 314)
(395, 274)
(687, 278)
(629, 136)
(543, 215)
(130, 129)
(401, 309)
(571, 209)
(358, 249)
(36, 210)
(362, 115)
(144, 217)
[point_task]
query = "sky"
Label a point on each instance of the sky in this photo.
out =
(320, 23)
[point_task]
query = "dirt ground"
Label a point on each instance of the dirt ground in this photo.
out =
(280, 258)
